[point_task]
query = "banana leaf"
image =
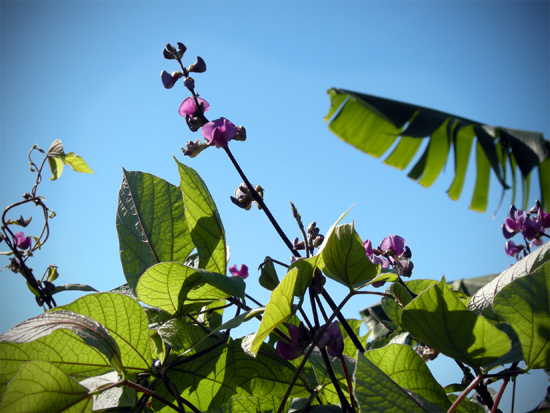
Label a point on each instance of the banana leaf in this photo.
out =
(374, 125)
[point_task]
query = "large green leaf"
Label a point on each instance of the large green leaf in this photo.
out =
(207, 381)
(277, 310)
(177, 288)
(345, 259)
(205, 224)
(377, 392)
(441, 320)
(80, 356)
(373, 124)
(125, 320)
(150, 223)
(482, 300)
(525, 305)
(406, 368)
(42, 387)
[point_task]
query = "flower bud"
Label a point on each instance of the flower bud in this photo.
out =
(189, 83)
(181, 49)
(168, 55)
(192, 149)
(297, 244)
(241, 134)
(311, 226)
(170, 48)
(318, 241)
(199, 66)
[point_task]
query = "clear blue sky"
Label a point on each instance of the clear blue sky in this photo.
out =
(88, 73)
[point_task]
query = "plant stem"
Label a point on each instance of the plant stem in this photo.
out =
(468, 389)
(306, 356)
(261, 202)
(343, 320)
(343, 400)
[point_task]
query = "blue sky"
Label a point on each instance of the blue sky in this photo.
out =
(88, 73)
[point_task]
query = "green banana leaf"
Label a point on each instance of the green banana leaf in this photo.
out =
(373, 124)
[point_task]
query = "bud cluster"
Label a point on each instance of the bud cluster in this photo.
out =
(244, 199)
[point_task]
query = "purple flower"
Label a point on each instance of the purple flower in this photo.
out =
(188, 107)
(514, 221)
(332, 339)
(21, 242)
(375, 259)
(243, 272)
(368, 247)
(544, 218)
(395, 242)
(512, 249)
(293, 350)
(219, 132)
(531, 229)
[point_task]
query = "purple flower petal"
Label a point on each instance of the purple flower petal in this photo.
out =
(395, 242)
(368, 247)
(219, 132)
(188, 107)
(243, 272)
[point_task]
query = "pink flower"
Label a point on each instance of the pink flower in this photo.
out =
(188, 107)
(20, 241)
(219, 132)
(243, 272)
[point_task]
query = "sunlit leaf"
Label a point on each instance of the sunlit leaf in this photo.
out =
(306, 271)
(42, 387)
(525, 305)
(345, 258)
(88, 329)
(376, 391)
(205, 224)
(373, 124)
(277, 310)
(268, 275)
(206, 381)
(482, 300)
(126, 322)
(150, 223)
(408, 370)
(61, 346)
(438, 318)
(73, 287)
(177, 288)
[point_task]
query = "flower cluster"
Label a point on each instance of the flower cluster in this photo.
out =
(301, 337)
(218, 132)
(391, 251)
(532, 225)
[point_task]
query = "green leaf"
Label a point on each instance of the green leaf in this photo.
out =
(57, 157)
(73, 287)
(466, 406)
(306, 271)
(150, 223)
(56, 167)
(207, 381)
(125, 321)
(373, 124)
(55, 339)
(41, 386)
(482, 301)
(277, 310)
(349, 348)
(268, 275)
(177, 288)
(525, 305)
(438, 318)
(376, 391)
(205, 224)
(88, 329)
(344, 257)
(406, 368)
